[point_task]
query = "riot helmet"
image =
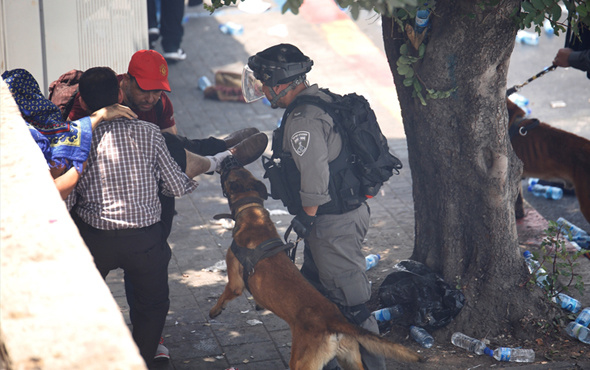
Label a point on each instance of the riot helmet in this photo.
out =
(279, 64)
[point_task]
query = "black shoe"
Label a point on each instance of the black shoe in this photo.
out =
(250, 149)
(236, 137)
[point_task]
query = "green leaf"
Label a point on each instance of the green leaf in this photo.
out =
(404, 70)
(417, 85)
(538, 4)
(528, 7)
(421, 50)
(408, 82)
(404, 60)
(421, 98)
(355, 10)
(556, 12)
(403, 50)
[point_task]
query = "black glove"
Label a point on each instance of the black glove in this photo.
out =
(302, 224)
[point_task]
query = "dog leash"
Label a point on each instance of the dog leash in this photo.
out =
(515, 88)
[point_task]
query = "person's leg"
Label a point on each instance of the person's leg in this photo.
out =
(100, 246)
(153, 29)
(336, 247)
(146, 269)
(171, 29)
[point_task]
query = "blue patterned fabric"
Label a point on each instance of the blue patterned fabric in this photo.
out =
(62, 142)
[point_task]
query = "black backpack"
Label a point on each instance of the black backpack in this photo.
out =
(356, 122)
(367, 150)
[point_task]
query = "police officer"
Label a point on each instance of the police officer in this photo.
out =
(333, 258)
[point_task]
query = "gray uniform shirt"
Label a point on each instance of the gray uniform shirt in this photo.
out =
(310, 138)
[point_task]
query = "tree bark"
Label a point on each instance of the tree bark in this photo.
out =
(464, 172)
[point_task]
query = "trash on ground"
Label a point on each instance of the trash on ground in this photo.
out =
(225, 223)
(278, 212)
(218, 266)
(428, 301)
(254, 322)
(558, 104)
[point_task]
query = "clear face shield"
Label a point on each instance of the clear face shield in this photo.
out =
(251, 87)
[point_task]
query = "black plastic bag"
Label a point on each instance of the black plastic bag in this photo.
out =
(427, 300)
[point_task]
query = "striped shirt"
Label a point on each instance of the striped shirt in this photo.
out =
(128, 163)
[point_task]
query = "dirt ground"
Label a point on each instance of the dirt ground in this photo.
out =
(552, 351)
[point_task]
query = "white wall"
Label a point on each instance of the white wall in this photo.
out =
(50, 37)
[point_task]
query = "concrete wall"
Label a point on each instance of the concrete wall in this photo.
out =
(56, 312)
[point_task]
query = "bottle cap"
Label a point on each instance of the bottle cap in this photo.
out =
(378, 257)
(526, 254)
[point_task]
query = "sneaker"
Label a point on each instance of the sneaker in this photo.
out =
(175, 55)
(250, 149)
(154, 35)
(236, 137)
(162, 353)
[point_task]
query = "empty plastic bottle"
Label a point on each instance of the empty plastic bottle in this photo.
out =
(571, 228)
(231, 28)
(535, 267)
(372, 260)
(528, 38)
(389, 313)
(533, 181)
(421, 21)
(549, 192)
(471, 344)
(521, 101)
(584, 317)
(512, 354)
(204, 83)
(579, 331)
(421, 336)
(548, 28)
(567, 303)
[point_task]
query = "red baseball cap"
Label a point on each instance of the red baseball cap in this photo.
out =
(150, 70)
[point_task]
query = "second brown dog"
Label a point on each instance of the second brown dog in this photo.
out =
(319, 330)
(551, 154)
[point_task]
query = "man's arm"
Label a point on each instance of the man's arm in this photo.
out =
(171, 130)
(111, 112)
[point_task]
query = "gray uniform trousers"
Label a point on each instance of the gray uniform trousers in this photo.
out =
(334, 263)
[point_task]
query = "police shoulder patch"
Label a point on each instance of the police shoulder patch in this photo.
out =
(300, 142)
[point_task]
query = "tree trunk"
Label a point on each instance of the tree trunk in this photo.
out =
(464, 172)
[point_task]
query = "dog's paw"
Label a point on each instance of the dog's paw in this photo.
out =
(215, 312)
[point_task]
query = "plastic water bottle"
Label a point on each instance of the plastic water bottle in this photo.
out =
(521, 101)
(549, 192)
(579, 331)
(549, 31)
(372, 260)
(421, 336)
(535, 267)
(567, 303)
(584, 317)
(231, 28)
(204, 83)
(388, 313)
(512, 354)
(533, 181)
(471, 344)
(528, 38)
(421, 21)
(569, 227)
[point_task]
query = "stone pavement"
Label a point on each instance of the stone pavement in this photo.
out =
(345, 61)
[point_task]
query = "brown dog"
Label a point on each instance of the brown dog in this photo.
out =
(319, 331)
(551, 154)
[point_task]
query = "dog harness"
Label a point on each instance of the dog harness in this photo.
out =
(250, 257)
(514, 128)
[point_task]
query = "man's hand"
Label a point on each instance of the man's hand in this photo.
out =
(302, 224)
(111, 112)
(561, 58)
